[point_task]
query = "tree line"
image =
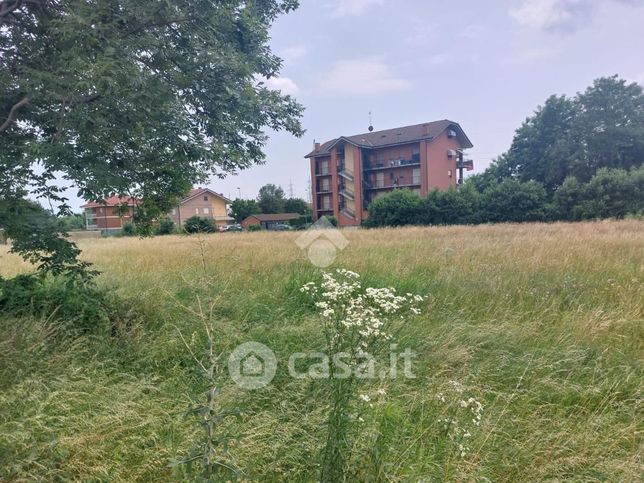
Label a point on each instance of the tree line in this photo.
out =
(575, 159)
(270, 200)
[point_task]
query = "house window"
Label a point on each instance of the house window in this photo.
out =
(206, 211)
(174, 211)
(205, 198)
(196, 211)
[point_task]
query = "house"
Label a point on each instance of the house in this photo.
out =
(110, 215)
(269, 222)
(205, 203)
(349, 172)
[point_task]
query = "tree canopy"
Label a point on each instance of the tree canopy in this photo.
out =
(134, 97)
(271, 199)
(602, 127)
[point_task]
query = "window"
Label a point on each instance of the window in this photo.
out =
(196, 211)
(415, 176)
(206, 211)
(205, 198)
(380, 180)
(174, 211)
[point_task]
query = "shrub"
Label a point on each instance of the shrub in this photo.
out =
(400, 207)
(331, 219)
(254, 227)
(128, 230)
(197, 224)
(75, 306)
(166, 227)
(513, 201)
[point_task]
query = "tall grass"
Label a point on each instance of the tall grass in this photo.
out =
(541, 323)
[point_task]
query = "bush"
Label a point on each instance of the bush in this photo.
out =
(196, 224)
(513, 201)
(610, 193)
(75, 306)
(128, 229)
(254, 227)
(166, 227)
(400, 207)
(331, 219)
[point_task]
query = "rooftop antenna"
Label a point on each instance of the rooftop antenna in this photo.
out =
(370, 123)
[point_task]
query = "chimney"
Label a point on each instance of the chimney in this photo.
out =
(316, 146)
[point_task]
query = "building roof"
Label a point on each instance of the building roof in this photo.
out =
(199, 191)
(112, 201)
(401, 135)
(274, 217)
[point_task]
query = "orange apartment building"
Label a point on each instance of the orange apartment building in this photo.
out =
(349, 172)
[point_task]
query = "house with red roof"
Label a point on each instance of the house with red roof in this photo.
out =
(109, 215)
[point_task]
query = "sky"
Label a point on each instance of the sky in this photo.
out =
(484, 64)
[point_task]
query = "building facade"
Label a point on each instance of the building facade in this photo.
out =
(268, 222)
(348, 173)
(204, 203)
(110, 215)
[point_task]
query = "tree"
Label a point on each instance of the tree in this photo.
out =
(133, 97)
(271, 199)
(241, 209)
(75, 221)
(601, 127)
(297, 205)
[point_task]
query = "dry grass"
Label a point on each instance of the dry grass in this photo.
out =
(542, 322)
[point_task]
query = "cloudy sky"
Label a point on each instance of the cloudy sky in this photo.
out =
(484, 64)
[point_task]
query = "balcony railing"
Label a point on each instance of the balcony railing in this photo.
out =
(323, 172)
(394, 163)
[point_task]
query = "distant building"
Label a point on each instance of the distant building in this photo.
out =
(348, 173)
(269, 222)
(204, 203)
(110, 215)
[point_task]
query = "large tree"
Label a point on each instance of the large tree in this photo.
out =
(133, 97)
(600, 127)
(271, 199)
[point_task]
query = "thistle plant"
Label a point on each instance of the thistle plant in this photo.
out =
(357, 325)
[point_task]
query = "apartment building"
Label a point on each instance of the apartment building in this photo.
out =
(349, 172)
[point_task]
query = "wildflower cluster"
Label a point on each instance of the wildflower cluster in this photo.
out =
(462, 415)
(354, 316)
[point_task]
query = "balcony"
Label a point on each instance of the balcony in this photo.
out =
(323, 172)
(323, 189)
(347, 193)
(348, 213)
(395, 163)
(380, 185)
(346, 175)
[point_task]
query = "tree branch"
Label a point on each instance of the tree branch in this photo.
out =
(13, 113)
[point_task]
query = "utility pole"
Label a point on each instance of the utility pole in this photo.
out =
(290, 188)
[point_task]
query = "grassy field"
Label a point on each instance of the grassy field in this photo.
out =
(541, 323)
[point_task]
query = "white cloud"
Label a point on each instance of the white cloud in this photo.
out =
(284, 84)
(294, 53)
(560, 15)
(362, 76)
(552, 15)
(345, 8)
